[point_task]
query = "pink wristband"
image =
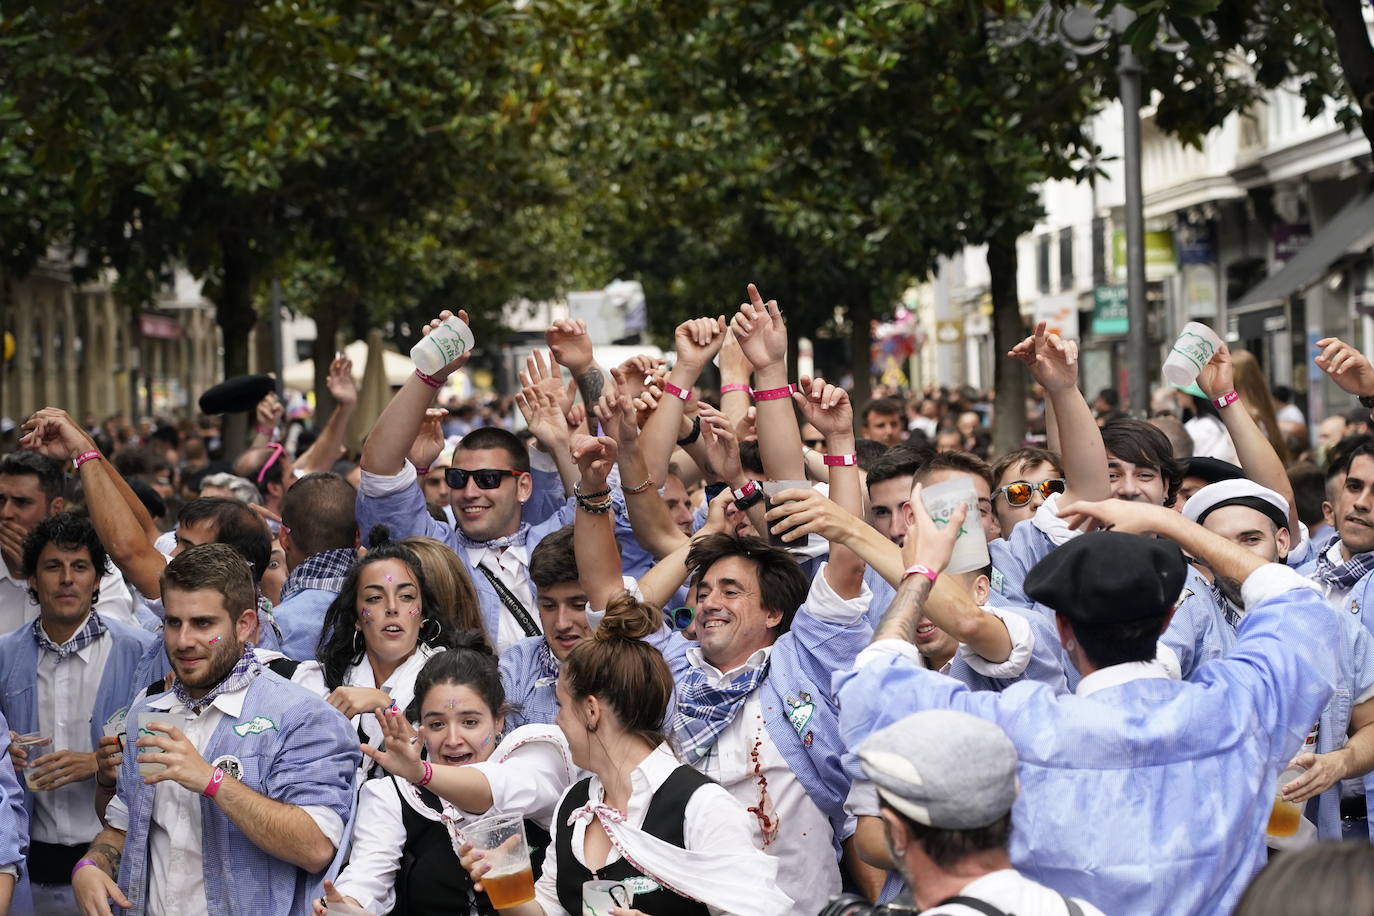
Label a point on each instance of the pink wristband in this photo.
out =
(422, 471)
(212, 786)
(840, 461)
(429, 380)
(919, 570)
(681, 394)
(1226, 400)
(84, 457)
(429, 774)
(83, 863)
(734, 386)
(772, 394)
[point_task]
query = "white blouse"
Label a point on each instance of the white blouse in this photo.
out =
(400, 687)
(528, 772)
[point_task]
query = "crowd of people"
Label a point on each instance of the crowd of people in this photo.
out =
(670, 648)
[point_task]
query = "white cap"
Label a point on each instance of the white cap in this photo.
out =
(1239, 492)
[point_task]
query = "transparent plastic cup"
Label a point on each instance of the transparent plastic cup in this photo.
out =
(941, 500)
(501, 838)
(1194, 349)
(1285, 817)
(598, 897)
(146, 718)
(443, 345)
(36, 746)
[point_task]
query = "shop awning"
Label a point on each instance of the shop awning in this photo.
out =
(1350, 230)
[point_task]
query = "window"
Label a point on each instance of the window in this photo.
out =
(1066, 258)
(1099, 251)
(1042, 263)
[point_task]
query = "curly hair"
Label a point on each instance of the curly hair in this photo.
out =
(70, 532)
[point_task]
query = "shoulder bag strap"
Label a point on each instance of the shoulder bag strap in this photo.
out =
(512, 603)
(1073, 908)
(973, 903)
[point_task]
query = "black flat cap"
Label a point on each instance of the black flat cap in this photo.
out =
(239, 394)
(1108, 577)
(1212, 470)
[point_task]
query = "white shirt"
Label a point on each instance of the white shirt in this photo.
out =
(1009, 891)
(786, 822)
(400, 687)
(528, 772)
(176, 885)
(16, 609)
(1124, 673)
(719, 859)
(66, 699)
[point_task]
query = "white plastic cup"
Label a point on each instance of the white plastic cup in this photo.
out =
(145, 718)
(1194, 349)
(443, 345)
(598, 897)
(941, 500)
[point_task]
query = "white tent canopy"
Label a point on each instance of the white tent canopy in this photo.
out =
(398, 368)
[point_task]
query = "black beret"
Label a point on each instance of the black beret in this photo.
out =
(1108, 577)
(239, 394)
(1212, 470)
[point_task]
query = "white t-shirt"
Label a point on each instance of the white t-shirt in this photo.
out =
(1013, 894)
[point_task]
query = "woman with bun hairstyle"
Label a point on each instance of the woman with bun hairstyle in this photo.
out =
(403, 861)
(681, 843)
(378, 634)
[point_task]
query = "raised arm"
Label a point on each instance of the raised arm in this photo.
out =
(545, 402)
(659, 584)
(735, 370)
(649, 518)
(325, 450)
(1053, 363)
(1257, 456)
(594, 544)
(466, 787)
(697, 341)
(384, 452)
(827, 408)
(762, 336)
(571, 348)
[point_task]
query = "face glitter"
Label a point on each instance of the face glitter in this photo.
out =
(215, 639)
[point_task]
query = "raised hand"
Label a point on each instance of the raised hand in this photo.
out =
(269, 411)
(547, 377)
(824, 406)
(1053, 362)
(734, 365)
(340, 382)
(616, 412)
(52, 432)
(800, 512)
(544, 416)
(567, 340)
(722, 448)
(928, 542)
(760, 330)
(632, 373)
(1218, 377)
(402, 754)
(461, 361)
(698, 340)
(429, 441)
(595, 456)
(717, 521)
(1347, 366)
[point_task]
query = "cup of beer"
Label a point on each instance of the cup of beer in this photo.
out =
(501, 840)
(1285, 817)
(35, 745)
(145, 720)
(598, 897)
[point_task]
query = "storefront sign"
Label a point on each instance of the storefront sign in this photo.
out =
(1110, 310)
(1160, 263)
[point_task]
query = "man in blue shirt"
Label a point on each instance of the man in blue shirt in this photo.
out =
(319, 533)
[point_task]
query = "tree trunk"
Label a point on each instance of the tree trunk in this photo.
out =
(860, 313)
(1009, 427)
(1357, 56)
(322, 352)
(236, 318)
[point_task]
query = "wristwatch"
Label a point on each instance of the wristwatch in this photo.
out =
(748, 495)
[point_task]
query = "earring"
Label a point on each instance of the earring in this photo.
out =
(95, 596)
(437, 630)
(358, 649)
(1070, 646)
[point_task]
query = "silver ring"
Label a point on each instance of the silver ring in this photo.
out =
(414, 738)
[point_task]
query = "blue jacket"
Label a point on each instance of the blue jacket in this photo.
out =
(293, 748)
(1149, 798)
(14, 822)
(301, 617)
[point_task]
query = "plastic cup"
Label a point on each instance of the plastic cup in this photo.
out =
(1194, 349)
(501, 839)
(442, 345)
(598, 897)
(772, 488)
(941, 500)
(145, 718)
(33, 744)
(1285, 817)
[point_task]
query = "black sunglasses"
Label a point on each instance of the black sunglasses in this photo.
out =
(487, 478)
(1019, 492)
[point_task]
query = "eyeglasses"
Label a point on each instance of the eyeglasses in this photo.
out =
(277, 451)
(682, 617)
(487, 478)
(1019, 492)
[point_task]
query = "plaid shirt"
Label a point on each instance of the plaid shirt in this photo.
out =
(88, 634)
(325, 570)
(1341, 578)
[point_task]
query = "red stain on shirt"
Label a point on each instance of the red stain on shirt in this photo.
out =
(768, 824)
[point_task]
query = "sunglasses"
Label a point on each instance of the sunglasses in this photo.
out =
(1019, 492)
(277, 451)
(487, 478)
(681, 617)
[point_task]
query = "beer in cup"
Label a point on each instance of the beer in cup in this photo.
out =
(501, 840)
(1285, 817)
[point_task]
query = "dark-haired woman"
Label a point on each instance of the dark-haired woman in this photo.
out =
(402, 861)
(679, 841)
(379, 633)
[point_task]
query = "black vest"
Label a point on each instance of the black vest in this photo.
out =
(664, 819)
(431, 880)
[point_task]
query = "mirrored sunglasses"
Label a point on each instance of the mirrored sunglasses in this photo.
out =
(1019, 492)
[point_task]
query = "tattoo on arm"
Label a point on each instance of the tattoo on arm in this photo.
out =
(111, 856)
(590, 383)
(904, 613)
